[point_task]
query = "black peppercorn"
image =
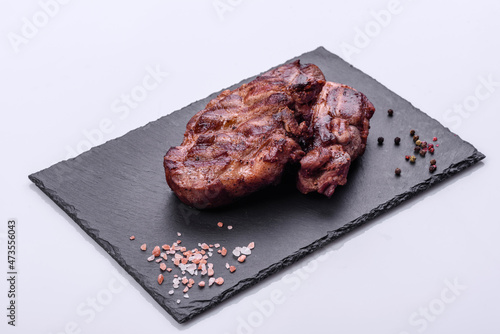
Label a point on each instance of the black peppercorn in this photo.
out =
(380, 140)
(397, 171)
(423, 152)
(432, 168)
(415, 138)
(397, 140)
(423, 144)
(433, 161)
(416, 149)
(390, 112)
(412, 133)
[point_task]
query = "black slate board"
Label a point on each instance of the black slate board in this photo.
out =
(118, 189)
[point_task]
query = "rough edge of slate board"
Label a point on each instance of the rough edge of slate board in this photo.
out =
(301, 253)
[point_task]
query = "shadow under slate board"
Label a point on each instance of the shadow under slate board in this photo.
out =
(118, 189)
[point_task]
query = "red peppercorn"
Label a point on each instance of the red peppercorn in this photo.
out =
(431, 150)
(432, 168)
(434, 139)
(407, 157)
(430, 146)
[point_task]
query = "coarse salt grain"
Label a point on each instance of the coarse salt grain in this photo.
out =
(156, 251)
(245, 251)
(237, 251)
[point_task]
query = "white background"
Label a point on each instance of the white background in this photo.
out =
(65, 77)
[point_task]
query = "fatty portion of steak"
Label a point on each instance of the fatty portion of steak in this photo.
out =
(243, 139)
(340, 124)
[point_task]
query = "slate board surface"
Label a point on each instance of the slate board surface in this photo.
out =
(118, 189)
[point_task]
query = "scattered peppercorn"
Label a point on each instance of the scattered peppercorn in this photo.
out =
(397, 140)
(423, 144)
(433, 161)
(430, 146)
(390, 112)
(415, 138)
(413, 158)
(416, 149)
(432, 168)
(431, 150)
(397, 171)
(418, 143)
(380, 140)
(423, 152)
(407, 157)
(412, 133)
(434, 139)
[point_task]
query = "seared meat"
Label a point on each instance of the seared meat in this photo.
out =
(340, 124)
(243, 139)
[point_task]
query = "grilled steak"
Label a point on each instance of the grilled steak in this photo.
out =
(243, 139)
(340, 124)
